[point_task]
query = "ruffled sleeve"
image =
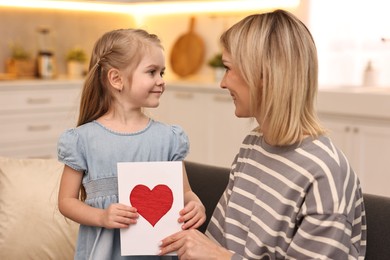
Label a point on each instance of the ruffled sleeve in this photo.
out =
(181, 144)
(71, 150)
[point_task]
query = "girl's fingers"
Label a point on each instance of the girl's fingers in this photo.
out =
(187, 216)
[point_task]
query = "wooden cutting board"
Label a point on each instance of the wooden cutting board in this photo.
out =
(188, 52)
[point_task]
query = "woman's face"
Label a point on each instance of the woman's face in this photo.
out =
(236, 85)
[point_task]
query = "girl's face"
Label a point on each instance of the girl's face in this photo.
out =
(147, 83)
(236, 85)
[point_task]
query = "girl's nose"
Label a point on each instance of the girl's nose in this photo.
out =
(160, 82)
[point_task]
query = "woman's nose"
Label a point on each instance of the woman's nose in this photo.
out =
(222, 84)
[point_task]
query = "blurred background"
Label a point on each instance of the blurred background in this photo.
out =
(348, 33)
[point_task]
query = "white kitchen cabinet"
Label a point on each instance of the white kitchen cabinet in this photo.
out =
(207, 116)
(34, 113)
(227, 131)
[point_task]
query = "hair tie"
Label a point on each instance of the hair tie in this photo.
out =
(97, 62)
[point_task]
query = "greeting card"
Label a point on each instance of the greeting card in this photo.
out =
(156, 190)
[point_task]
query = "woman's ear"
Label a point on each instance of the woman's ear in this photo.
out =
(115, 79)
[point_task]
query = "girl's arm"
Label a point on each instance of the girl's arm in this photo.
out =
(115, 216)
(194, 213)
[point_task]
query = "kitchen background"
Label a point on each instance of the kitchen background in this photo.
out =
(348, 35)
(70, 29)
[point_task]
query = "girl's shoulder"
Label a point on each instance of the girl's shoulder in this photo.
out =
(72, 135)
(83, 129)
(174, 129)
(172, 136)
(175, 132)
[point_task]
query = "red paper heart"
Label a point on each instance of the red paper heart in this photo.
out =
(151, 204)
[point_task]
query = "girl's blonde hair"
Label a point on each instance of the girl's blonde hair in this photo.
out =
(120, 49)
(276, 56)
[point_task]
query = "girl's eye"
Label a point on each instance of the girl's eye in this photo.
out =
(153, 72)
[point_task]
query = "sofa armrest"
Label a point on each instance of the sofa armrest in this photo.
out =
(378, 226)
(31, 226)
(208, 182)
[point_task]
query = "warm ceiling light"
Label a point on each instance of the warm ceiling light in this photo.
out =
(144, 8)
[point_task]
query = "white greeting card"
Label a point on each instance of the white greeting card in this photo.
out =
(156, 190)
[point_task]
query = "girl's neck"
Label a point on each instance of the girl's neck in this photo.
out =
(129, 122)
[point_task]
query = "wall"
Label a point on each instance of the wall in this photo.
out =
(70, 29)
(348, 34)
(208, 27)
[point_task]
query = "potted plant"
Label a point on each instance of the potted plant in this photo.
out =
(20, 64)
(216, 63)
(76, 60)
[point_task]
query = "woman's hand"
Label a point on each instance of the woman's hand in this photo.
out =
(119, 216)
(192, 244)
(192, 215)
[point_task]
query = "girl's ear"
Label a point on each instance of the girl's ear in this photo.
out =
(115, 79)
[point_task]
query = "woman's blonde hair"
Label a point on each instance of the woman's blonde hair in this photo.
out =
(276, 56)
(120, 49)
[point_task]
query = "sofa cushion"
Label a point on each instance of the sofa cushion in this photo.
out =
(31, 226)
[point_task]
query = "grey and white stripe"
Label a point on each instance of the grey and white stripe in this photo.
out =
(297, 202)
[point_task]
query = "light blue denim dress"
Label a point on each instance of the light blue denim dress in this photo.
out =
(95, 150)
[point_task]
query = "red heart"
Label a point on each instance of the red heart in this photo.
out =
(152, 204)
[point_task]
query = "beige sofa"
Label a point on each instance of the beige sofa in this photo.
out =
(31, 227)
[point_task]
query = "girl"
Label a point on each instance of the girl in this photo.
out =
(292, 194)
(125, 75)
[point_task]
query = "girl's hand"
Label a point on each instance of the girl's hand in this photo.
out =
(192, 215)
(119, 216)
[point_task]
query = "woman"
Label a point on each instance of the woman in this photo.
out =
(292, 194)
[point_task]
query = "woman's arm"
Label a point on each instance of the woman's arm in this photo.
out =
(192, 244)
(116, 216)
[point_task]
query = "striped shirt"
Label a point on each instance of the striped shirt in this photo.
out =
(294, 202)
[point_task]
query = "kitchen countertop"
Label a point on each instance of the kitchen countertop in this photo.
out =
(37, 83)
(370, 102)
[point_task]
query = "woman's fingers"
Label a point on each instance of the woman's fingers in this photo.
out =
(171, 243)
